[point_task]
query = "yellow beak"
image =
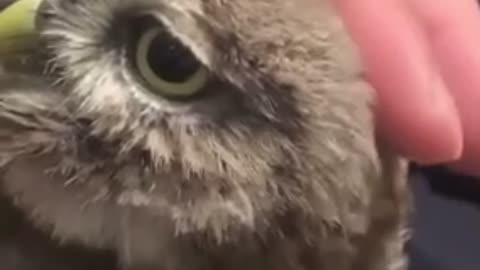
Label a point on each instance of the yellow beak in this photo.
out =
(17, 26)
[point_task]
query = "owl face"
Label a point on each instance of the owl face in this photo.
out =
(215, 112)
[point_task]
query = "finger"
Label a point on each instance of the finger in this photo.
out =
(416, 114)
(453, 29)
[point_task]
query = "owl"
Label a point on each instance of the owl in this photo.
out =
(191, 135)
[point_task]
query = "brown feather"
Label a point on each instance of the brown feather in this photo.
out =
(277, 168)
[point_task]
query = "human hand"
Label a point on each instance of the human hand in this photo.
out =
(423, 57)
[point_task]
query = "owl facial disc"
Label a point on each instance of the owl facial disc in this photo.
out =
(18, 25)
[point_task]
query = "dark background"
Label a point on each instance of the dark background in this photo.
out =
(447, 221)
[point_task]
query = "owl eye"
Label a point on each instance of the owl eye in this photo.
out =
(168, 67)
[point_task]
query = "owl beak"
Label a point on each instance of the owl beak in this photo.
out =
(17, 26)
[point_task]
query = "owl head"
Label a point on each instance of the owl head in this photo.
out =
(219, 115)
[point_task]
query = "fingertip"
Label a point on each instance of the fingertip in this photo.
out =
(417, 116)
(453, 29)
(426, 132)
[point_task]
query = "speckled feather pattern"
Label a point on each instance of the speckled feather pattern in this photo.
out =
(278, 168)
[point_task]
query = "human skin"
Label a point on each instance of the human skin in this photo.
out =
(429, 86)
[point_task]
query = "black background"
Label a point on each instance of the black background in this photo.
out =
(446, 222)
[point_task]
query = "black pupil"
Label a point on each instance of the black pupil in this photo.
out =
(170, 60)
